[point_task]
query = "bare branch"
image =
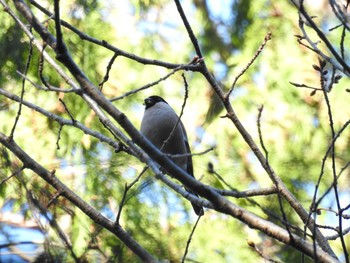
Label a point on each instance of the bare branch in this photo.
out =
(66, 109)
(17, 172)
(189, 29)
(62, 121)
(247, 193)
(260, 252)
(174, 156)
(339, 63)
(284, 216)
(29, 59)
(190, 238)
(150, 84)
(52, 88)
(285, 193)
(116, 50)
(126, 189)
(337, 235)
(109, 67)
(96, 216)
(244, 70)
(131, 138)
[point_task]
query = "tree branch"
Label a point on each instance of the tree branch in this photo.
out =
(273, 176)
(96, 216)
(97, 102)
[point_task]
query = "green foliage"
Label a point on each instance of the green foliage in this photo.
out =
(295, 125)
(11, 50)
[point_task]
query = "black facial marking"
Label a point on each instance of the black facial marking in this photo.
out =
(150, 101)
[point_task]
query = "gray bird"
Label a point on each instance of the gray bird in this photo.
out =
(158, 121)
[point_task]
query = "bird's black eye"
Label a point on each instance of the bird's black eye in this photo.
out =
(150, 101)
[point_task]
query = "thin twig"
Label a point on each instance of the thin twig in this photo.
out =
(250, 193)
(53, 199)
(330, 150)
(165, 143)
(260, 110)
(52, 88)
(63, 121)
(23, 90)
(260, 252)
(244, 70)
(174, 156)
(279, 197)
(337, 213)
(150, 84)
(344, 67)
(53, 223)
(126, 189)
(188, 28)
(335, 236)
(110, 47)
(211, 170)
(338, 11)
(121, 204)
(342, 39)
(66, 109)
(190, 238)
(335, 186)
(17, 172)
(109, 67)
(304, 86)
(41, 68)
(331, 186)
(59, 137)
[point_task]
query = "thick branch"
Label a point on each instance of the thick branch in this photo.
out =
(226, 207)
(249, 140)
(303, 214)
(220, 203)
(97, 217)
(117, 51)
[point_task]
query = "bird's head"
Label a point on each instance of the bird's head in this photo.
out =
(150, 101)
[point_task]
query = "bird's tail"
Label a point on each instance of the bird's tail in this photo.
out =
(197, 208)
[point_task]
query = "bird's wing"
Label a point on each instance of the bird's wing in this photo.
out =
(188, 150)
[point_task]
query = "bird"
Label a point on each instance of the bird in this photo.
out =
(158, 122)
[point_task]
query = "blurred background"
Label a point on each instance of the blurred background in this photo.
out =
(295, 128)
